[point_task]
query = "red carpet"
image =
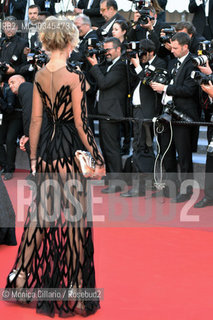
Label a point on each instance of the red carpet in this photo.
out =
(160, 270)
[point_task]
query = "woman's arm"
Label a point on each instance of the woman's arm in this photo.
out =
(35, 125)
(81, 122)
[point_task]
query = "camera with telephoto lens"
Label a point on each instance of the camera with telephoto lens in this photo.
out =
(133, 48)
(142, 6)
(3, 67)
(152, 74)
(144, 16)
(36, 57)
(169, 33)
(141, 3)
(170, 111)
(94, 47)
(201, 78)
(205, 53)
(42, 59)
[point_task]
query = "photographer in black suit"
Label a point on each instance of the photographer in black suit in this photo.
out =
(14, 8)
(150, 30)
(48, 6)
(183, 91)
(24, 91)
(11, 49)
(90, 8)
(146, 105)
(10, 128)
(203, 17)
(207, 200)
(109, 11)
(86, 32)
(112, 102)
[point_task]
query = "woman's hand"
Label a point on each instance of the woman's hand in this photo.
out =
(100, 171)
(33, 166)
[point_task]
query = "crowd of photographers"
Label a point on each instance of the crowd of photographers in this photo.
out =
(145, 69)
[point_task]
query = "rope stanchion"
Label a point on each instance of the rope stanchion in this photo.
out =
(108, 118)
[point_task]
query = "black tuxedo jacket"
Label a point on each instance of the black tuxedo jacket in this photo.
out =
(41, 4)
(199, 19)
(113, 89)
(80, 56)
(140, 33)
(19, 7)
(94, 12)
(150, 100)
(101, 31)
(14, 47)
(185, 90)
(25, 94)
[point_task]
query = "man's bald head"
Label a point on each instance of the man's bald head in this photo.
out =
(14, 82)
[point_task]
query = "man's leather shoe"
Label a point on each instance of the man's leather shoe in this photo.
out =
(181, 197)
(2, 172)
(203, 203)
(8, 176)
(166, 193)
(133, 193)
(111, 189)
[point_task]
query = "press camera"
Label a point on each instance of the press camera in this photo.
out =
(201, 78)
(4, 65)
(170, 111)
(142, 6)
(93, 46)
(72, 65)
(205, 53)
(152, 74)
(169, 33)
(133, 48)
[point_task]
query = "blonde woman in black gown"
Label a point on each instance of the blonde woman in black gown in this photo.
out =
(56, 251)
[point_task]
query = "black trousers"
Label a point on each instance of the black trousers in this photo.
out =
(9, 131)
(110, 146)
(182, 144)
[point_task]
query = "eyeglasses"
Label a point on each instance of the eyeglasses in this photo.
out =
(108, 49)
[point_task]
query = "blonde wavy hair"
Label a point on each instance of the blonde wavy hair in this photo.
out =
(56, 32)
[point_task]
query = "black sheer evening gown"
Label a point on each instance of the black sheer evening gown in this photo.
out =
(7, 218)
(56, 249)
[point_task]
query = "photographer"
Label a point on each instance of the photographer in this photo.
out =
(146, 105)
(112, 83)
(86, 34)
(9, 130)
(183, 91)
(12, 56)
(92, 10)
(207, 200)
(202, 18)
(146, 26)
(109, 11)
(182, 26)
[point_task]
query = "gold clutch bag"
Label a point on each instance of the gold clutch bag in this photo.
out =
(85, 163)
